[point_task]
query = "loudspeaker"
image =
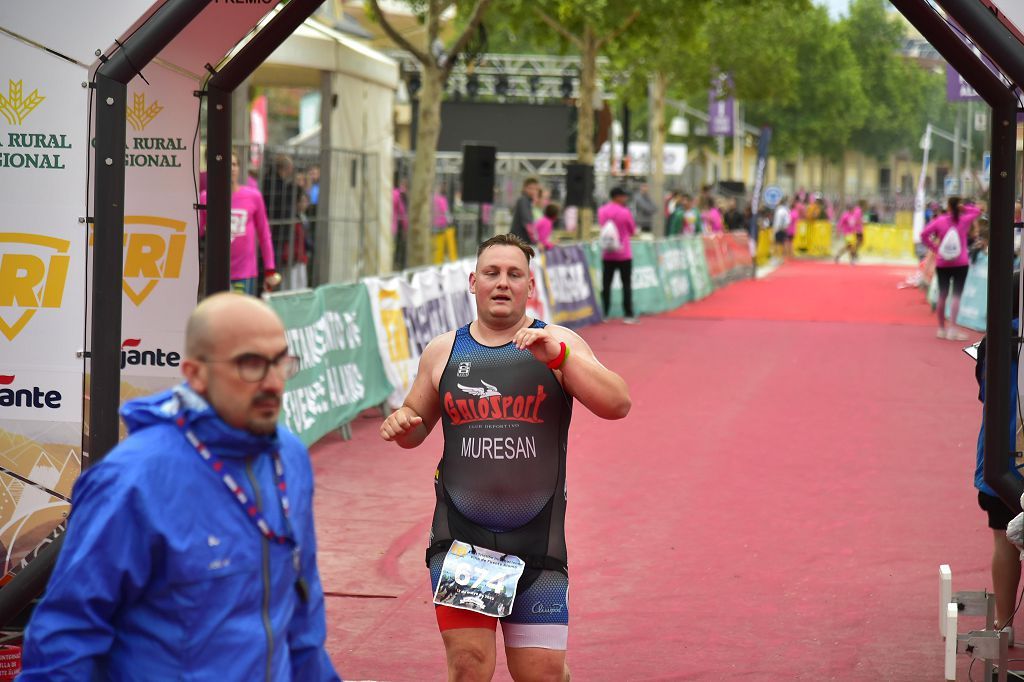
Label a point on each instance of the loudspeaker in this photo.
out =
(579, 184)
(478, 162)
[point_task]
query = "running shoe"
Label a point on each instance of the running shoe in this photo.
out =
(956, 335)
(630, 320)
(941, 334)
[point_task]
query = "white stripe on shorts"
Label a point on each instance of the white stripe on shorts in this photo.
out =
(541, 635)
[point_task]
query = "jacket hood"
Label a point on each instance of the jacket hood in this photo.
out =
(165, 407)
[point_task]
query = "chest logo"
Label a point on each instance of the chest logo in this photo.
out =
(464, 369)
(486, 391)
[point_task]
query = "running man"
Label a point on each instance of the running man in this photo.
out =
(503, 388)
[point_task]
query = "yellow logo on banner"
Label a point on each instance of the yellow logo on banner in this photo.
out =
(393, 321)
(15, 107)
(149, 256)
(139, 115)
(31, 282)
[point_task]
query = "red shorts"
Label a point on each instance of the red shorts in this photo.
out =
(449, 618)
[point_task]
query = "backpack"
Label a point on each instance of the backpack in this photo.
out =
(949, 247)
(609, 237)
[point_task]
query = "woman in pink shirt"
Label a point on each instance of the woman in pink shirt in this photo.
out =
(711, 217)
(248, 223)
(540, 231)
(851, 227)
(946, 235)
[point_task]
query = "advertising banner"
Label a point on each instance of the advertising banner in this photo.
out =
(699, 275)
(721, 105)
(331, 329)
(714, 257)
(570, 290)
(455, 282)
(974, 300)
(674, 271)
(44, 144)
(387, 300)
(537, 305)
(648, 291)
(957, 87)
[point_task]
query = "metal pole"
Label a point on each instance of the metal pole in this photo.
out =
(999, 450)
(956, 151)
(218, 190)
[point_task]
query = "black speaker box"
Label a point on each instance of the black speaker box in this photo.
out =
(579, 184)
(478, 161)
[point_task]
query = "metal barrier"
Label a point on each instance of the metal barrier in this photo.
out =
(302, 214)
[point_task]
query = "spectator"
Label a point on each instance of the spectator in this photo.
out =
(734, 219)
(443, 231)
(946, 236)
(711, 217)
(281, 195)
(522, 213)
(644, 209)
(780, 224)
(1005, 557)
(618, 260)
(248, 226)
(545, 224)
(399, 223)
(162, 575)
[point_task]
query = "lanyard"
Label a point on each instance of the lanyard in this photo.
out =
(248, 506)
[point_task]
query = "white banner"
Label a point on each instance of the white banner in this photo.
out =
(72, 28)
(44, 144)
(387, 298)
(674, 157)
(161, 249)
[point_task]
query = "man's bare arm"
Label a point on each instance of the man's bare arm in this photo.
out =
(410, 424)
(601, 390)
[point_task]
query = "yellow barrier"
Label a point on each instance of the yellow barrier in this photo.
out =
(765, 239)
(890, 241)
(813, 238)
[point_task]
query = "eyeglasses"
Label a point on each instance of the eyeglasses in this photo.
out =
(253, 367)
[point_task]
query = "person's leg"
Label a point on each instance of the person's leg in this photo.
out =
(537, 665)
(959, 279)
(1005, 577)
(470, 653)
(607, 275)
(940, 305)
(626, 273)
(536, 633)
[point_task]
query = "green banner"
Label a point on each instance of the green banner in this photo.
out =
(974, 299)
(674, 271)
(332, 330)
(700, 279)
(648, 292)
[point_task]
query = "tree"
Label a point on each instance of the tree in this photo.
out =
(827, 101)
(896, 87)
(436, 64)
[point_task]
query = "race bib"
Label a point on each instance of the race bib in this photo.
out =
(478, 579)
(239, 220)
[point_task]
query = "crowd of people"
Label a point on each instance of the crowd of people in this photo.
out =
(273, 223)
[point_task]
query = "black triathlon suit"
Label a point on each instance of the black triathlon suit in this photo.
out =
(501, 481)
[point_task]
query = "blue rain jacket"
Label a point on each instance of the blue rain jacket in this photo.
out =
(163, 576)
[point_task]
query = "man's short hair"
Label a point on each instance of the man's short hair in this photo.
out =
(507, 240)
(530, 181)
(618, 192)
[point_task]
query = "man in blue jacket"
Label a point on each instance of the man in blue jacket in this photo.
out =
(191, 552)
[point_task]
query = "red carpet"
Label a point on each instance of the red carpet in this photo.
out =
(797, 464)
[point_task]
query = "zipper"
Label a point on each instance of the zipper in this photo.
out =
(266, 570)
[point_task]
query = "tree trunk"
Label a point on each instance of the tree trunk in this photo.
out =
(585, 125)
(428, 128)
(658, 87)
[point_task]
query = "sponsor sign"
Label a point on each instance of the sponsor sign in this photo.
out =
(721, 105)
(331, 329)
(648, 290)
(569, 287)
(43, 168)
(674, 271)
(387, 299)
